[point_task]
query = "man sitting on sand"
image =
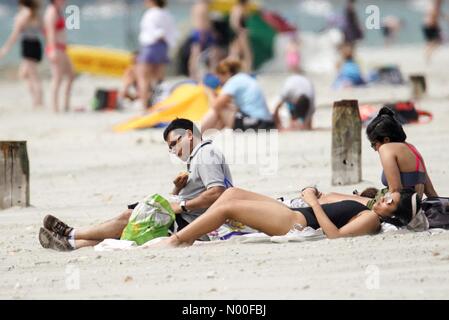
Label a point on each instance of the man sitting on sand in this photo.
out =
(208, 177)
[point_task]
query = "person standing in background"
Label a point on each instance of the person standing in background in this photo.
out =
(61, 67)
(157, 35)
(28, 23)
(391, 25)
(431, 29)
(240, 47)
(203, 41)
(351, 27)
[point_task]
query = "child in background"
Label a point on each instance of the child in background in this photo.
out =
(292, 54)
(349, 73)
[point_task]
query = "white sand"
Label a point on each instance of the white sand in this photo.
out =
(84, 173)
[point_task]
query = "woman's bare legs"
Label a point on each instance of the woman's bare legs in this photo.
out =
(272, 218)
(70, 75)
(241, 194)
(57, 72)
(28, 72)
(246, 51)
(159, 74)
(144, 81)
(211, 120)
(218, 118)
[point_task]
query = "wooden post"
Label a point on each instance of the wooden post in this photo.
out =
(14, 174)
(419, 86)
(346, 143)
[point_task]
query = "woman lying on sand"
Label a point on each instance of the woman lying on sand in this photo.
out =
(347, 218)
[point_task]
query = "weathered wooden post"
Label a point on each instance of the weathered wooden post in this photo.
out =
(14, 174)
(346, 143)
(419, 85)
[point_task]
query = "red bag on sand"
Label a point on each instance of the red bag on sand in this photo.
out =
(405, 112)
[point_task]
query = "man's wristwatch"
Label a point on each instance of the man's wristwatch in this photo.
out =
(182, 204)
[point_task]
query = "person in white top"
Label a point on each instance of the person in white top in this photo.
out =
(157, 35)
(299, 95)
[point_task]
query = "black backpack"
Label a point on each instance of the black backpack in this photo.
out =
(405, 111)
(436, 210)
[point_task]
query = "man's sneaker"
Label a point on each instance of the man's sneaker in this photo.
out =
(52, 240)
(54, 224)
(295, 235)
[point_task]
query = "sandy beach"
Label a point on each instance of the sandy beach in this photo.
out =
(85, 173)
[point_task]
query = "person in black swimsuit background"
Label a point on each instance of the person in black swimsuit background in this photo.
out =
(431, 28)
(28, 25)
(338, 219)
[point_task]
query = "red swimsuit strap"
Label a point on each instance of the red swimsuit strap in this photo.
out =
(60, 23)
(418, 157)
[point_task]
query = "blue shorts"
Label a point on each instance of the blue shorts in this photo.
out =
(156, 53)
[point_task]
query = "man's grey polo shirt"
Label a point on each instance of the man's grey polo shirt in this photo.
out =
(207, 168)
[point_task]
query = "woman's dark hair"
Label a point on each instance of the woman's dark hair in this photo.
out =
(409, 204)
(33, 5)
(180, 123)
(160, 3)
(369, 193)
(385, 125)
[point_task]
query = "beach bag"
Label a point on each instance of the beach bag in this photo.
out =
(150, 219)
(390, 75)
(405, 111)
(105, 100)
(436, 210)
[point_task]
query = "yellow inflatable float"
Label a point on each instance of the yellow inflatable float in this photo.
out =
(225, 6)
(187, 101)
(99, 61)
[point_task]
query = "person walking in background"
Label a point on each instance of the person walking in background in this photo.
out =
(431, 29)
(28, 24)
(157, 35)
(351, 26)
(240, 46)
(391, 25)
(61, 67)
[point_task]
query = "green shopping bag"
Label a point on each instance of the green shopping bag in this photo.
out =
(150, 219)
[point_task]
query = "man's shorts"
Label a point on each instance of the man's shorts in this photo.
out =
(243, 122)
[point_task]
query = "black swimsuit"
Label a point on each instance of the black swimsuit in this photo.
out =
(338, 212)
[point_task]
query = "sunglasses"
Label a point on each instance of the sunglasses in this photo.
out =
(373, 145)
(172, 144)
(388, 198)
